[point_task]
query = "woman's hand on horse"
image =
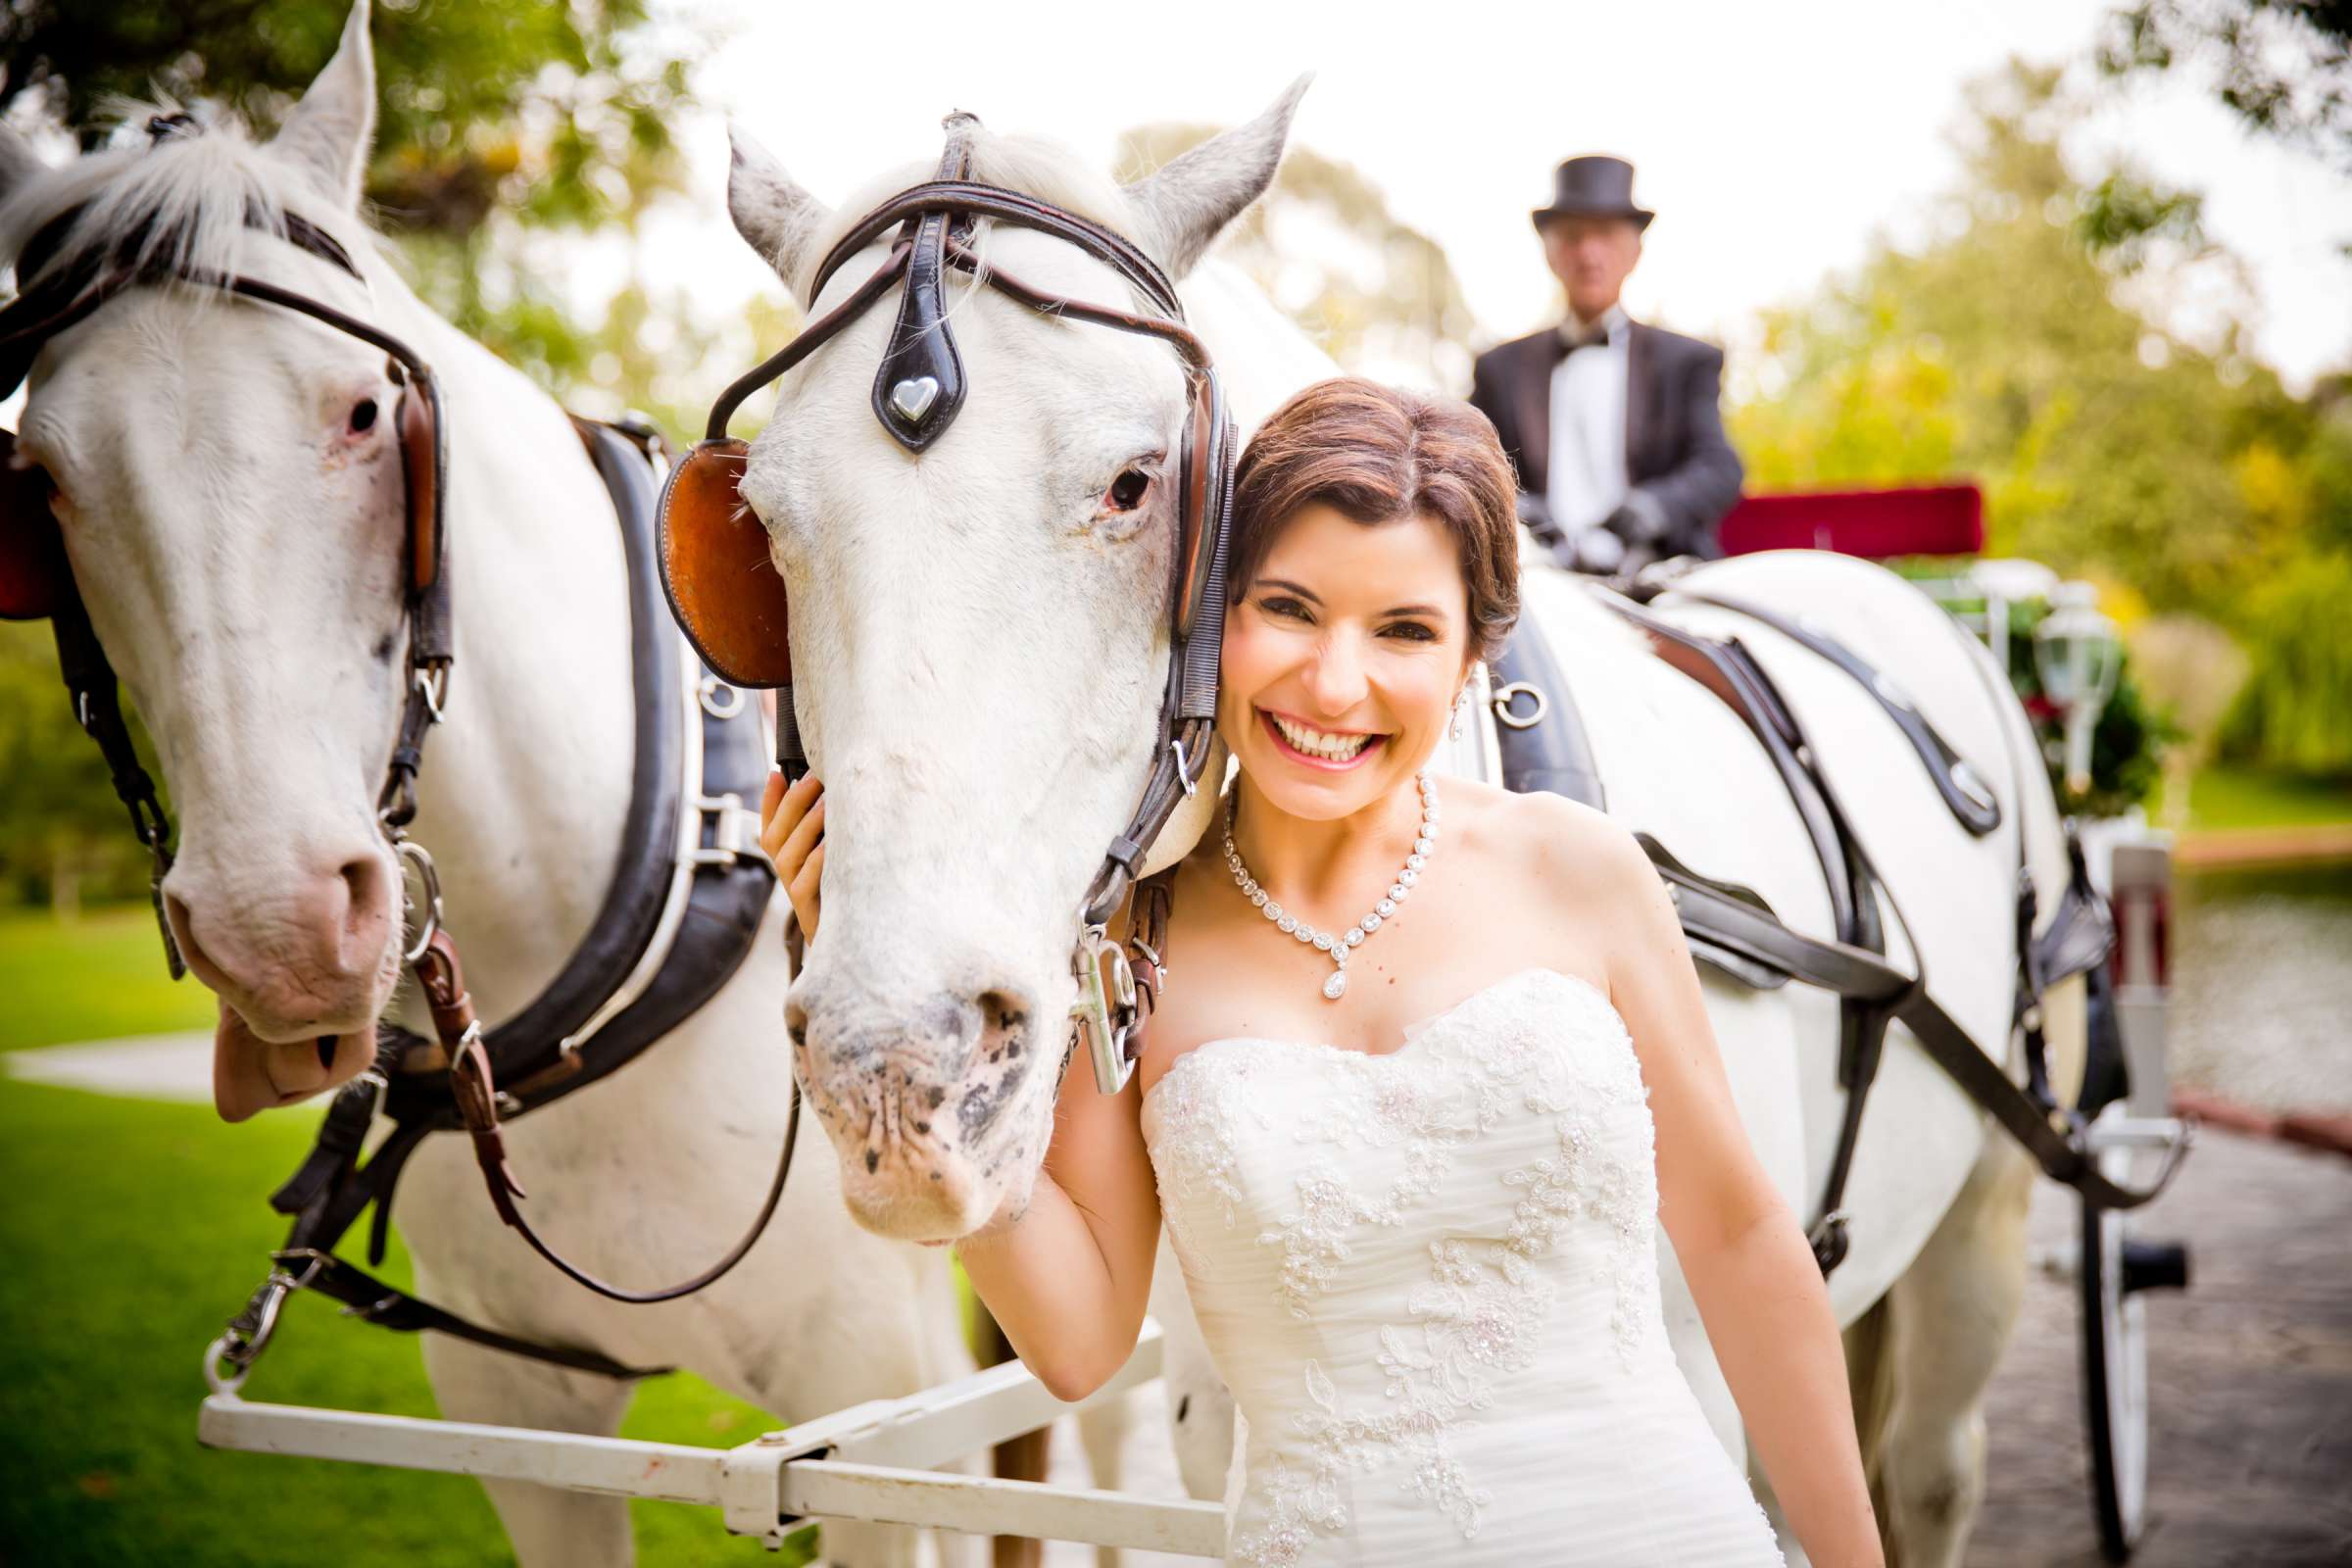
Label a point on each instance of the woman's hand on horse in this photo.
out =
(792, 830)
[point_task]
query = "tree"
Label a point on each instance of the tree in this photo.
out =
(2034, 346)
(2285, 67)
(1378, 295)
(2008, 350)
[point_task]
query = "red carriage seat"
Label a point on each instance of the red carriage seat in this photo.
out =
(1934, 519)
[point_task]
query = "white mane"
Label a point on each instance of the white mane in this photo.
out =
(188, 202)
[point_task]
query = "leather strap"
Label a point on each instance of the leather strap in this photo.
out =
(1857, 972)
(1972, 804)
(387, 1306)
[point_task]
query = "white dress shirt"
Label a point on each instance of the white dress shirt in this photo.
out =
(1587, 479)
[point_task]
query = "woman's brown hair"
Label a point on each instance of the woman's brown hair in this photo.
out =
(1377, 454)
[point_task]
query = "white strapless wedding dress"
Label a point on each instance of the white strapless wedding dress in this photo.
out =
(1429, 1277)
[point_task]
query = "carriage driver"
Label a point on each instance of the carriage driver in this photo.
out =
(1613, 424)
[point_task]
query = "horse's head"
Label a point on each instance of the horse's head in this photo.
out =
(980, 639)
(228, 483)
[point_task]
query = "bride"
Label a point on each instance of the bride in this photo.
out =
(1432, 1065)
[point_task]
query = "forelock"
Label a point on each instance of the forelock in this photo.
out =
(185, 203)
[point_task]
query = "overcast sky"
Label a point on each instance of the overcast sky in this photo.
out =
(1774, 140)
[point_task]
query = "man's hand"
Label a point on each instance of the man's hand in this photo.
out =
(1638, 521)
(1596, 550)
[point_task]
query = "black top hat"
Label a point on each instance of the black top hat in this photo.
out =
(1594, 188)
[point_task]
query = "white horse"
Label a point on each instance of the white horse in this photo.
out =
(978, 649)
(234, 521)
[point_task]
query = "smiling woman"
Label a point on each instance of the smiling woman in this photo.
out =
(1412, 1184)
(1375, 558)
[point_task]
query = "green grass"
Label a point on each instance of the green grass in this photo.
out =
(93, 978)
(2223, 796)
(131, 1230)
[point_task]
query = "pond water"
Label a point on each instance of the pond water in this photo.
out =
(2261, 986)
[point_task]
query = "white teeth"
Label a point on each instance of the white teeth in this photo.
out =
(1316, 743)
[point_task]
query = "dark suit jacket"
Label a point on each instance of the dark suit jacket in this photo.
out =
(1676, 451)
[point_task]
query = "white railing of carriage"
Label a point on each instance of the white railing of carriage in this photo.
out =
(878, 1461)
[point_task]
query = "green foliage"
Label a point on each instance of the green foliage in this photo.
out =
(63, 834)
(2013, 349)
(2296, 709)
(558, 114)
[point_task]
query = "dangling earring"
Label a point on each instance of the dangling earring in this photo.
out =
(1460, 704)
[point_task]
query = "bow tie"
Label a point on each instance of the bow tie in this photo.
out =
(1598, 340)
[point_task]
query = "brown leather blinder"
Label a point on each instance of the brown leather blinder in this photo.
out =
(1193, 525)
(716, 570)
(421, 465)
(34, 577)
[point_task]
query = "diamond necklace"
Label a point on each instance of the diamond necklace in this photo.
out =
(1425, 842)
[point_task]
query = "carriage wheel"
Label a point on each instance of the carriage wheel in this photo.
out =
(2115, 1270)
(2114, 1385)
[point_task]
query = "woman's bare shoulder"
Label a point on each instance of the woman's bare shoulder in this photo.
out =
(1560, 853)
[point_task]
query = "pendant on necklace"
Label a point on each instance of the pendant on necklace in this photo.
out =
(1335, 985)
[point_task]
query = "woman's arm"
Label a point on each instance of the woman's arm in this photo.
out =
(1067, 1277)
(1750, 1271)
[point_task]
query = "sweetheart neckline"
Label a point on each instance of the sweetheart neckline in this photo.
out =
(1414, 1033)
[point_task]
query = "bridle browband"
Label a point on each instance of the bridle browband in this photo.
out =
(917, 392)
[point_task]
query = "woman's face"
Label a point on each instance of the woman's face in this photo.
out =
(1343, 658)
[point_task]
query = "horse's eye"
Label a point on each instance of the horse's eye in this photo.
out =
(363, 416)
(1127, 491)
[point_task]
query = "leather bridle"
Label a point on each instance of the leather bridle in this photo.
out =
(35, 582)
(724, 589)
(39, 585)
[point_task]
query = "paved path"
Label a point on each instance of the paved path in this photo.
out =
(142, 1068)
(2249, 1372)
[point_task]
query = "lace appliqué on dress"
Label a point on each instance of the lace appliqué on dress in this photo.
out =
(1484, 1303)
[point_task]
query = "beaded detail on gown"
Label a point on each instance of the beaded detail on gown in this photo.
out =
(1430, 1278)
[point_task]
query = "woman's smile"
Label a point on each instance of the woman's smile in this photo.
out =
(1332, 751)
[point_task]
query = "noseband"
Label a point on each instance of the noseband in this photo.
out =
(724, 588)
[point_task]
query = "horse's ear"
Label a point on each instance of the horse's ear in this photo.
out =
(329, 133)
(771, 212)
(1187, 203)
(18, 163)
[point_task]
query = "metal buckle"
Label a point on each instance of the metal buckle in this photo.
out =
(734, 831)
(1504, 696)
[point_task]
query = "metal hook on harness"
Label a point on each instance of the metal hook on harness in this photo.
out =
(229, 1360)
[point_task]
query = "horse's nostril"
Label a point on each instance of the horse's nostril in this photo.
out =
(796, 1023)
(183, 933)
(366, 901)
